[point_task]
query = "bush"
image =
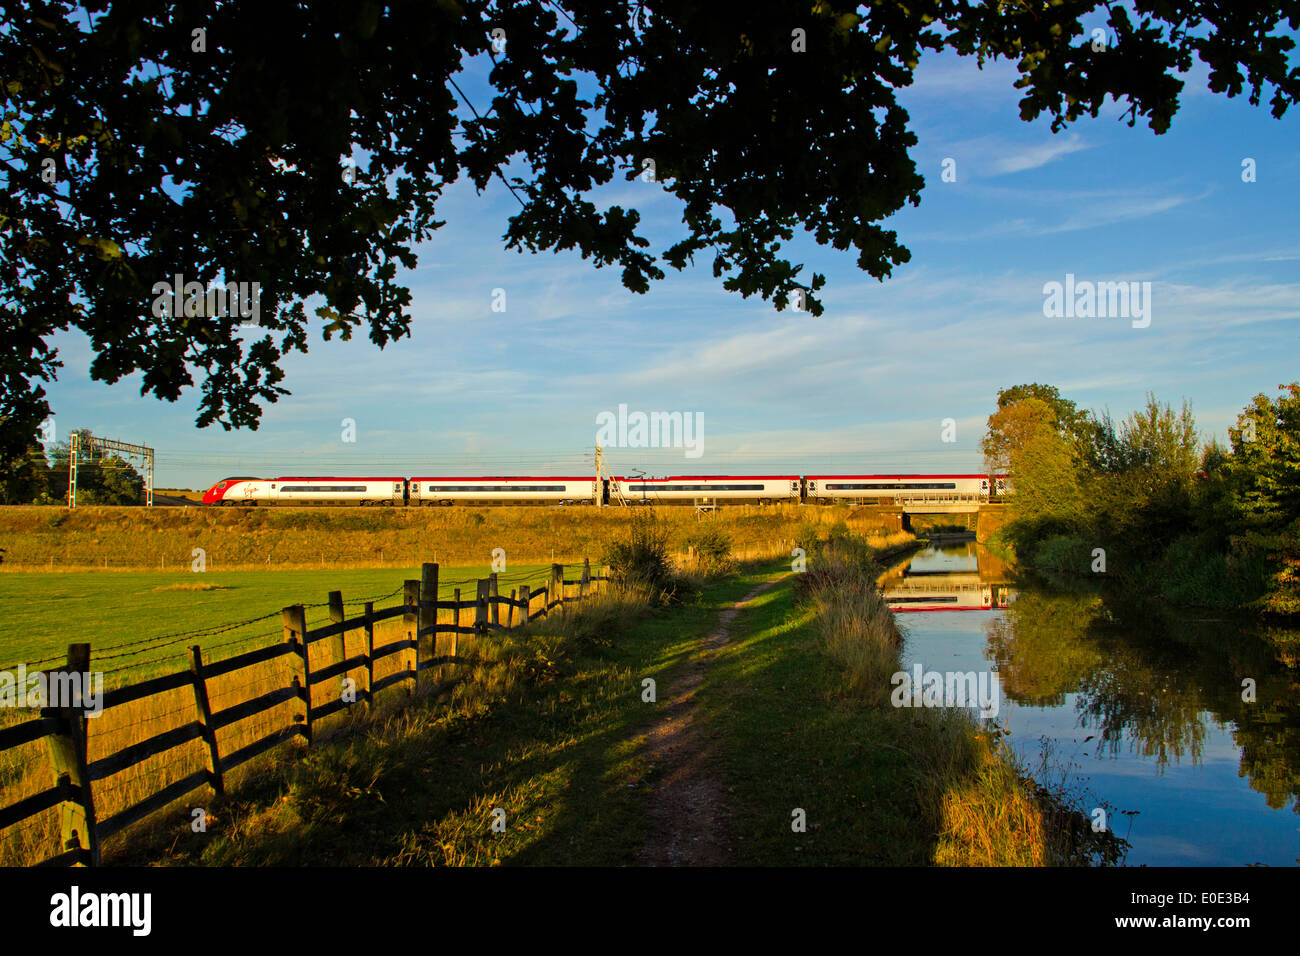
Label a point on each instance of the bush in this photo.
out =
(1064, 554)
(641, 559)
(712, 550)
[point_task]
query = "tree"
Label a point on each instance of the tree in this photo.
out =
(1011, 427)
(1021, 408)
(1264, 468)
(28, 481)
(1049, 496)
(209, 140)
(1145, 492)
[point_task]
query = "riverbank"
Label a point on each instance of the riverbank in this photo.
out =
(873, 783)
(1259, 575)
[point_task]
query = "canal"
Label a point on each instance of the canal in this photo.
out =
(1184, 729)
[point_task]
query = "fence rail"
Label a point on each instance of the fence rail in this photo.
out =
(64, 728)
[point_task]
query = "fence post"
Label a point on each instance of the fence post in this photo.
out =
(428, 612)
(411, 623)
(510, 610)
(67, 749)
(370, 656)
(455, 635)
(294, 621)
(494, 609)
(525, 598)
(556, 594)
(205, 718)
(481, 607)
(585, 582)
(337, 643)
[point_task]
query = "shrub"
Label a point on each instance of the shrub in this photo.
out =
(641, 558)
(712, 549)
(1063, 554)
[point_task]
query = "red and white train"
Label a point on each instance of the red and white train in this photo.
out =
(588, 489)
(898, 489)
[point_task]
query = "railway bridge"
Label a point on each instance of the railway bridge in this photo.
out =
(983, 518)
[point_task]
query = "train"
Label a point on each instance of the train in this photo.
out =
(699, 490)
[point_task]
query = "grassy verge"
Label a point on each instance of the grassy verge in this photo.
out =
(801, 696)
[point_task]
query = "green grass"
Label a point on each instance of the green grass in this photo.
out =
(793, 741)
(46, 612)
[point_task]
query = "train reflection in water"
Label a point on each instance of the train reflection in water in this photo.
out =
(961, 582)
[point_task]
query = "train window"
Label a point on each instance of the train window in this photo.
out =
(894, 486)
(644, 488)
(319, 489)
(519, 488)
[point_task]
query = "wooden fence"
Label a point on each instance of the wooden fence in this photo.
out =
(65, 731)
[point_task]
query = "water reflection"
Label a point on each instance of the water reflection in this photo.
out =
(1166, 694)
(950, 576)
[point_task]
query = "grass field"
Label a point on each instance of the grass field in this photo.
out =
(44, 613)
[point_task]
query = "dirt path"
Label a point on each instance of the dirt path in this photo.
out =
(688, 813)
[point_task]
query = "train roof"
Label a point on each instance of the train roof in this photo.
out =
(981, 475)
(510, 478)
(713, 478)
(333, 478)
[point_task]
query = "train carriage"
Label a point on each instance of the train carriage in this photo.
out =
(365, 491)
(307, 490)
(504, 491)
(753, 489)
(896, 489)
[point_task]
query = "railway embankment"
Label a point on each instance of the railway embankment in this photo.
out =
(89, 538)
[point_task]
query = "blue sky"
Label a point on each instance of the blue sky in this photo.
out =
(866, 386)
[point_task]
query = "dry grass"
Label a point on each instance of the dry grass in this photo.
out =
(101, 538)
